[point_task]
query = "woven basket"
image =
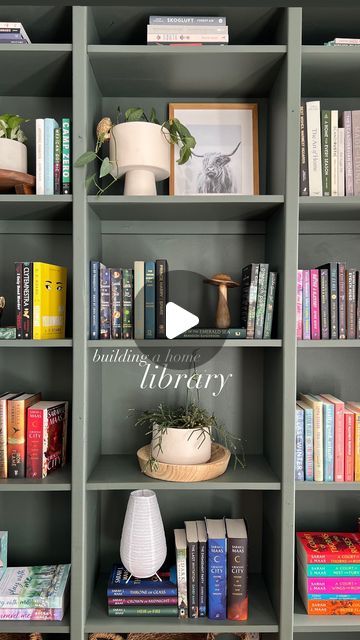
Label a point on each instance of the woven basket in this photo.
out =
(20, 636)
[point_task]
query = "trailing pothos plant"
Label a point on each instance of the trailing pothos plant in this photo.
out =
(173, 130)
(10, 127)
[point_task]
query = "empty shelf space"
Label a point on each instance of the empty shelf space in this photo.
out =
(36, 69)
(329, 71)
(328, 344)
(59, 480)
(330, 208)
(32, 207)
(312, 624)
(327, 486)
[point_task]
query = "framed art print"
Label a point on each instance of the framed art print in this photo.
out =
(226, 157)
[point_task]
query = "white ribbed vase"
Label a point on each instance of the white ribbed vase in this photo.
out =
(143, 544)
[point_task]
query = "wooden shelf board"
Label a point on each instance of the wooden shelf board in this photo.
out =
(168, 344)
(36, 70)
(312, 624)
(185, 208)
(17, 207)
(327, 486)
(329, 208)
(328, 344)
(25, 626)
(133, 70)
(36, 343)
(321, 64)
(121, 472)
(57, 481)
(261, 616)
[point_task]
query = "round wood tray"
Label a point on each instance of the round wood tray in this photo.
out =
(216, 466)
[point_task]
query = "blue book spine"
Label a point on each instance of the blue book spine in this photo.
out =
(94, 300)
(309, 444)
(299, 444)
(49, 126)
(328, 442)
(306, 304)
(217, 579)
(149, 300)
(333, 596)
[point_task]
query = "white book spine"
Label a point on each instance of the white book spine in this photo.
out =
(170, 28)
(314, 147)
(334, 152)
(139, 300)
(341, 165)
(183, 37)
(40, 183)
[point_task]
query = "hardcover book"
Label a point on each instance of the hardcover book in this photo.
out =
(40, 156)
(32, 614)
(46, 438)
(356, 150)
(334, 152)
(49, 127)
(161, 280)
(94, 300)
(304, 173)
(333, 570)
(328, 427)
(326, 152)
(333, 297)
(57, 161)
(315, 304)
(217, 570)
(306, 305)
(143, 602)
(116, 303)
(148, 612)
(139, 300)
(317, 408)
(122, 585)
(237, 569)
(105, 303)
(327, 548)
(181, 567)
(66, 156)
(249, 287)
(128, 304)
(349, 435)
(16, 428)
(299, 444)
(270, 305)
(49, 302)
(150, 300)
(299, 303)
(19, 298)
(341, 162)
(44, 587)
(193, 567)
(261, 300)
(342, 300)
(324, 304)
(349, 173)
(215, 334)
(308, 440)
(188, 20)
(3, 433)
(339, 438)
(27, 296)
(355, 408)
(350, 276)
(314, 147)
(3, 552)
(202, 538)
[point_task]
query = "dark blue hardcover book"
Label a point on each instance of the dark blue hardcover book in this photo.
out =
(127, 304)
(116, 303)
(105, 303)
(94, 299)
(150, 300)
(163, 584)
(217, 578)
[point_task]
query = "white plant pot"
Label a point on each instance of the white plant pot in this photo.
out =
(13, 155)
(141, 152)
(181, 446)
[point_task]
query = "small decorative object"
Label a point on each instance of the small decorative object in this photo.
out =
(143, 544)
(2, 306)
(13, 152)
(223, 282)
(7, 333)
(227, 156)
(215, 467)
(139, 149)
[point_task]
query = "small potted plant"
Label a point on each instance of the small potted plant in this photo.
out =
(13, 151)
(139, 149)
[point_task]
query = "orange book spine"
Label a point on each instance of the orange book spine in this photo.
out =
(333, 607)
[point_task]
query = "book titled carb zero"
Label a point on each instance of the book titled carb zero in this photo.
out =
(46, 437)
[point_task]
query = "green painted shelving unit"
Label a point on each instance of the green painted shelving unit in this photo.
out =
(84, 62)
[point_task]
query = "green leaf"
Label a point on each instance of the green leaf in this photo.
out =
(153, 117)
(185, 154)
(183, 131)
(90, 180)
(85, 158)
(134, 115)
(190, 141)
(105, 168)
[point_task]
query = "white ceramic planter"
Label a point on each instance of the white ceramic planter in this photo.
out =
(181, 446)
(13, 155)
(140, 151)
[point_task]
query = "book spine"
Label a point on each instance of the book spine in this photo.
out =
(128, 304)
(349, 173)
(334, 152)
(333, 607)
(324, 304)
(326, 156)
(253, 289)
(217, 594)
(358, 304)
(3, 441)
(333, 585)
(105, 304)
(314, 147)
(309, 444)
(357, 447)
(304, 173)
(349, 437)
(333, 570)
(19, 298)
(37, 274)
(35, 448)
(182, 595)
(116, 303)
(356, 150)
(351, 304)
(339, 441)
(161, 37)
(139, 592)
(188, 20)
(16, 439)
(318, 444)
(237, 567)
(306, 305)
(270, 303)
(49, 157)
(261, 301)
(66, 156)
(315, 304)
(161, 277)
(299, 444)
(148, 612)
(333, 596)
(333, 287)
(202, 579)
(149, 300)
(139, 300)
(94, 300)
(328, 426)
(40, 177)
(193, 579)
(222, 334)
(27, 285)
(342, 300)
(299, 303)
(15, 27)
(341, 161)
(32, 614)
(141, 602)
(57, 161)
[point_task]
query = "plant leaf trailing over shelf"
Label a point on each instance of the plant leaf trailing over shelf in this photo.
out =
(10, 127)
(173, 130)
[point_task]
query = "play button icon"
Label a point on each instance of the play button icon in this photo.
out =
(178, 320)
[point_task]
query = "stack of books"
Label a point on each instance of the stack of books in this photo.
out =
(33, 435)
(156, 596)
(40, 300)
(187, 30)
(343, 42)
(329, 151)
(13, 33)
(53, 156)
(327, 439)
(329, 572)
(328, 303)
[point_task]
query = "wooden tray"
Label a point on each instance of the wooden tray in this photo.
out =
(23, 183)
(216, 466)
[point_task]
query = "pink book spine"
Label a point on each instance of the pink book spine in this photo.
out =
(349, 429)
(306, 305)
(339, 458)
(334, 585)
(315, 304)
(31, 614)
(299, 304)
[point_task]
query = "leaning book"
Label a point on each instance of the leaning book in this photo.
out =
(38, 587)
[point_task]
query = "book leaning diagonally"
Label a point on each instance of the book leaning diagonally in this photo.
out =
(314, 147)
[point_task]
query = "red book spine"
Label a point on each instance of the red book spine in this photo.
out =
(315, 304)
(35, 443)
(140, 602)
(330, 548)
(299, 304)
(349, 429)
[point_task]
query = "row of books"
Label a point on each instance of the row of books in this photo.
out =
(13, 33)
(343, 42)
(32, 593)
(329, 572)
(33, 435)
(40, 300)
(328, 303)
(53, 156)
(258, 289)
(327, 439)
(329, 151)
(187, 30)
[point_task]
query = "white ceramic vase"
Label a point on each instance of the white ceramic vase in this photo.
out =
(13, 155)
(143, 544)
(181, 446)
(141, 152)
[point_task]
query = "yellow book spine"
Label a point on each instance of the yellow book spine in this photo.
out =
(37, 328)
(54, 292)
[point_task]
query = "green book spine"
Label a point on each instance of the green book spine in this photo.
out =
(326, 155)
(261, 301)
(149, 612)
(57, 161)
(127, 304)
(270, 301)
(66, 156)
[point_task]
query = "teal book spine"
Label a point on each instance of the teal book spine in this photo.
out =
(150, 300)
(333, 570)
(66, 157)
(49, 126)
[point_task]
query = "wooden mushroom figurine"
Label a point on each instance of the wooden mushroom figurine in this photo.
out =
(223, 282)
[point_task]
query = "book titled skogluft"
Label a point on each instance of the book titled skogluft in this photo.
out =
(216, 576)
